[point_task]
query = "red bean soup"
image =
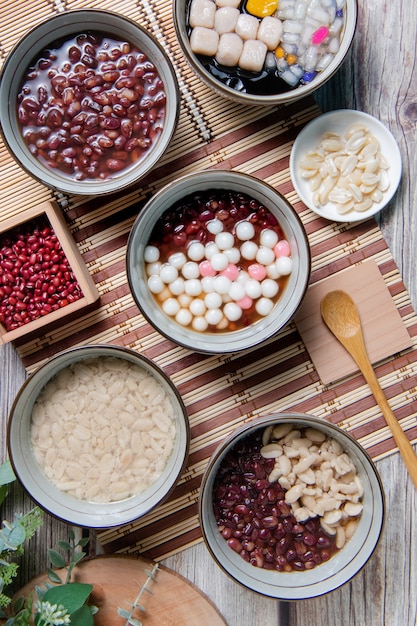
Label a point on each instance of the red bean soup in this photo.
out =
(90, 106)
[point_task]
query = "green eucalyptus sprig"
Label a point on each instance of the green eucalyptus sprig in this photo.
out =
(129, 615)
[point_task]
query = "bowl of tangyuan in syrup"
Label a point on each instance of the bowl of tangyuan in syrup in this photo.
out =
(89, 102)
(291, 506)
(218, 261)
(265, 52)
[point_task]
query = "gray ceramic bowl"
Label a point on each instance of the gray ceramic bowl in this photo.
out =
(219, 342)
(226, 85)
(64, 26)
(61, 504)
(327, 576)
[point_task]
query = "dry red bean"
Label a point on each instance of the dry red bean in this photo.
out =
(44, 282)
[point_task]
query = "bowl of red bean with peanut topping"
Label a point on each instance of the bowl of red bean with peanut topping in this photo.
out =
(218, 261)
(89, 102)
(291, 506)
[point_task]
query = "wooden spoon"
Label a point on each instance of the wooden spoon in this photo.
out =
(340, 314)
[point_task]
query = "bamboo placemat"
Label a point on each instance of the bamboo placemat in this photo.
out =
(220, 392)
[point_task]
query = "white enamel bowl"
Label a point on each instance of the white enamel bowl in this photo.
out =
(339, 122)
(342, 566)
(61, 504)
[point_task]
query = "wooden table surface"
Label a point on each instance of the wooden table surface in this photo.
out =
(379, 77)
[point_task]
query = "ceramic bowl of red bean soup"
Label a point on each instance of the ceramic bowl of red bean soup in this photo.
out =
(265, 52)
(291, 506)
(98, 436)
(218, 261)
(89, 102)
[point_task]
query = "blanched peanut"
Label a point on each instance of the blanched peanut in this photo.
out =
(319, 477)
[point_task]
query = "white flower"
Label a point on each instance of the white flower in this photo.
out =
(52, 614)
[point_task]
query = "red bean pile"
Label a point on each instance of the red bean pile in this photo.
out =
(35, 275)
(91, 106)
(253, 517)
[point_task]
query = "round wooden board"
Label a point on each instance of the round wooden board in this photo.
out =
(117, 580)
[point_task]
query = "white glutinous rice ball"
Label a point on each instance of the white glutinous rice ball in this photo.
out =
(207, 282)
(177, 287)
(224, 241)
(265, 255)
(211, 250)
(184, 317)
(222, 284)
(270, 32)
(269, 288)
(204, 41)
(225, 20)
(248, 250)
(202, 13)
(232, 311)
(264, 306)
(229, 49)
(233, 255)
(177, 259)
(237, 291)
(198, 307)
(213, 300)
(199, 323)
(153, 268)
(213, 316)
(168, 273)
(184, 299)
(190, 270)
(268, 238)
(151, 254)
(244, 231)
(247, 26)
(253, 288)
(196, 251)
(219, 261)
(171, 306)
(155, 284)
(284, 265)
(253, 55)
(192, 287)
(215, 226)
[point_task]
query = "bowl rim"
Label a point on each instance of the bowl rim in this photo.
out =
(312, 586)
(226, 342)
(66, 508)
(62, 25)
(339, 119)
(266, 100)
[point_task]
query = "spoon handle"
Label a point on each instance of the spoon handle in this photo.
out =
(356, 347)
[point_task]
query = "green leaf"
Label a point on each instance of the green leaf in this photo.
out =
(64, 545)
(71, 595)
(71, 534)
(82, 617)
(7, 474)
(53, 576)
(123, 613)
(13, 535)
(77, 557)
(134, 622)
(56, 559)
(83, 541)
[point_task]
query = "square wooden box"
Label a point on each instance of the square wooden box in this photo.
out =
(90, 294)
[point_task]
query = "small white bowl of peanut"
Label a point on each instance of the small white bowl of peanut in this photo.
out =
(98, 436)
(345, 165)
(291, 506)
